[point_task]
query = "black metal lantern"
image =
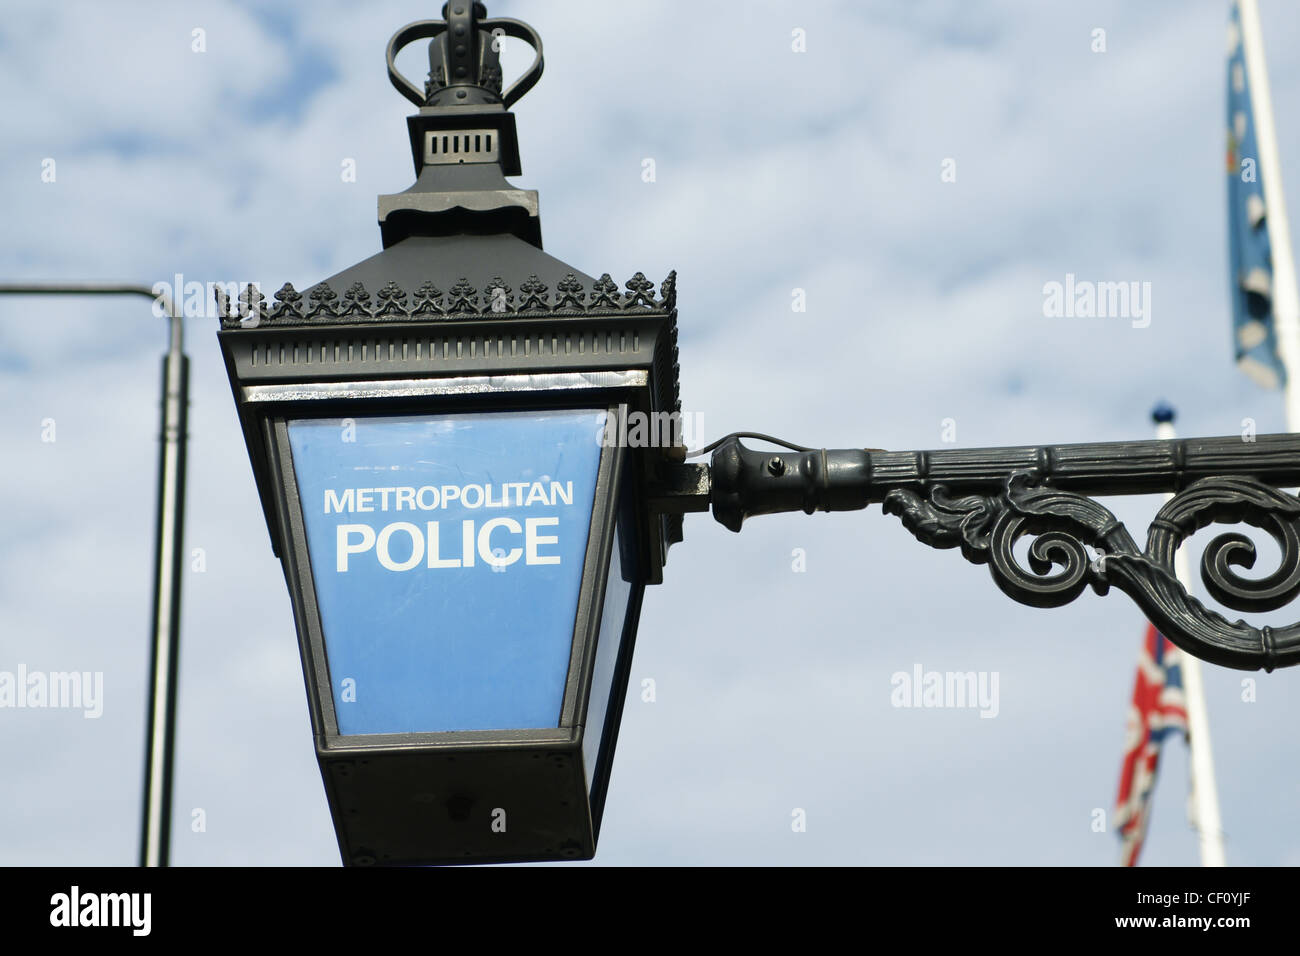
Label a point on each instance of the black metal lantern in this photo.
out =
(437, 435)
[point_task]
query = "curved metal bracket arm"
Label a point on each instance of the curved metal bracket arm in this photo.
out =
(984, 500)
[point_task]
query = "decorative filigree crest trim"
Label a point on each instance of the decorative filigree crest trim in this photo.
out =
(1066, 525)
(322, 305)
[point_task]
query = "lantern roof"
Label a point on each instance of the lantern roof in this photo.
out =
(467, 262)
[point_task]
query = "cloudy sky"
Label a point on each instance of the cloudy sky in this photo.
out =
(775, 170)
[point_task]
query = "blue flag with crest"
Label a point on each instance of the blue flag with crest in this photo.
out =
(1250, 252)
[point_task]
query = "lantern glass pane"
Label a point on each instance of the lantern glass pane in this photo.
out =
(613, 616)
(447, 554)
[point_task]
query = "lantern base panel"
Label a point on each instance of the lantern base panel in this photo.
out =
(487, 804)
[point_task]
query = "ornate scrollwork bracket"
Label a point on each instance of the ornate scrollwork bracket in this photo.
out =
(1078, 543)
(984, 500)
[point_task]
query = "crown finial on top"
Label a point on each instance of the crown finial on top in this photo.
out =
(464, 58)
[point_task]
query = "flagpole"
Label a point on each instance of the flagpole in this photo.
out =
(1286, 294)
(1203, 804)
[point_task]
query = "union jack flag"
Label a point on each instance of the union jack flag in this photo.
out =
(1158, 710)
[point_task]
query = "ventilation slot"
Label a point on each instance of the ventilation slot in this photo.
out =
(461, 146)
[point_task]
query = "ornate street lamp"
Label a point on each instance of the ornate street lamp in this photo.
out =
(436, 434)
(433, 432)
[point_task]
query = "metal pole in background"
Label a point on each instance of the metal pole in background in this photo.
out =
(1203, 803)
(160, 734)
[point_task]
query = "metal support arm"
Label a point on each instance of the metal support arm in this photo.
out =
(983, 500)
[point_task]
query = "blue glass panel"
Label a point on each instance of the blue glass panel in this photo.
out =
(447, 554)
(613, 618)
